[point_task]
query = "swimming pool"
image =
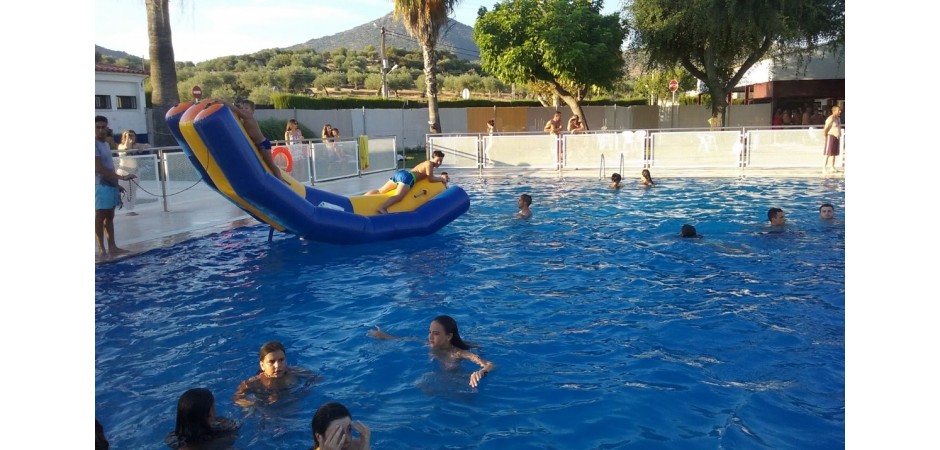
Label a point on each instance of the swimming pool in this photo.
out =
(608, 331)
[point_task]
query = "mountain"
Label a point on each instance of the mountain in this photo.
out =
(114, 53)
(455, 37)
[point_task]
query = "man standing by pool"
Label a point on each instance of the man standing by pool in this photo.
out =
(403, 180)
(107, 190)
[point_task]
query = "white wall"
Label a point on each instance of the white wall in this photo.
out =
(114, 84)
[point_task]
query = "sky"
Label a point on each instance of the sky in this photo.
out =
(207, 29)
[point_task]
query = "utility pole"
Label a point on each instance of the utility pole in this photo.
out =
(384, 68)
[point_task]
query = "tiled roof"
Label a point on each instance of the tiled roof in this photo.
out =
(117, 69)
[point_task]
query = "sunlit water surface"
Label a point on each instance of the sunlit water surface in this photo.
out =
(608, 330)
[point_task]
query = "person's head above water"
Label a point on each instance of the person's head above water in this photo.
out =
(826, 211)
(688, 231)
(193, 412)
(325, 416)
(615, 177)
(776, 216)
(273, 359)
(443, 333)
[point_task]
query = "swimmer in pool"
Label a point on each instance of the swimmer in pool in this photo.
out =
(524, 201)
(615, 181)
(447, 346)
(273, 378)
(688, 231)
(645, 178)
(332, 427)
(403, 180)
(197, 426)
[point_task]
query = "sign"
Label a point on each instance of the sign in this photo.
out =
(197, 92)
(673, 85)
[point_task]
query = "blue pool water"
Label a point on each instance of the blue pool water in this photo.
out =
(608, 331)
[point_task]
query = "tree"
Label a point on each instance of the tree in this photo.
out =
(718, 41)
(423, 20)
(567, 44)
(162, 69)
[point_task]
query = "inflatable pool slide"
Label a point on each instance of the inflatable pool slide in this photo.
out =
(216, 143)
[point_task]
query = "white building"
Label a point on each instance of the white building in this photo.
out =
(119, 96)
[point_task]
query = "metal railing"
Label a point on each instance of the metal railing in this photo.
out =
(693, 148)
(165, 172)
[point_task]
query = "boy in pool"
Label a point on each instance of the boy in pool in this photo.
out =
(827, 212)
(447, 346)
(403, 180)
(273, 377)
(523, 203)
(615, 181)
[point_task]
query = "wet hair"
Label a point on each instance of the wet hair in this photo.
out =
(615, 177)
(450, 325)
(270, 347)
(101, 119)
(772, 212)
(101, 442)
(825, 205)
(646, 175)
(192, 416)
(688, 231)
(326, 414)
(437, 153)
(527, 199)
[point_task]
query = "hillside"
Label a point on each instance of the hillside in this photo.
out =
(456, 38)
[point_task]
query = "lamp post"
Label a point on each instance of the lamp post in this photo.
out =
(384, 68)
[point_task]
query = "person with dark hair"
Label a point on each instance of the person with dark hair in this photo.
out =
(827, 212)
(447, 346)
(645, 178)
(524, 201)
(615, 181)
(197, 426)
(688, 231)
(332, 428)
(107, 190)
(403, 180)
(832, 132)
(101, 442)
(273, 378)
(245, 111)
(776, 217)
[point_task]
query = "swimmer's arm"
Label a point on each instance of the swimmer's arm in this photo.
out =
(486, 367)
(241, 394)
(379, 334)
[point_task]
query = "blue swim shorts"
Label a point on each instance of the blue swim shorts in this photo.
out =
(106, 197)
(404, 176)
(265, 144)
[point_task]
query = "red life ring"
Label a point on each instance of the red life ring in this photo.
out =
(281, 150)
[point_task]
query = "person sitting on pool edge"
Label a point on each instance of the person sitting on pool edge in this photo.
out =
(615, 181)
(273, 377)
(447, 346)
(524, 201)
(332, 427)
(403, 180)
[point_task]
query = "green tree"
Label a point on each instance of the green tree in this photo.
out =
(717, 41)
(567, 44)
(423, 19)
(162, 69)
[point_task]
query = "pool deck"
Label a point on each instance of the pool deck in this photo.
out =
(200, 211)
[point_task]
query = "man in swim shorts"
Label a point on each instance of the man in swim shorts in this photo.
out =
(403, 180)
(107, 190)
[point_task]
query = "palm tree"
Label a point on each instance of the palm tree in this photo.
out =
(423, 19)
(162, 69)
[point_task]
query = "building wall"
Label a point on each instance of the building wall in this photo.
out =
(115, 84)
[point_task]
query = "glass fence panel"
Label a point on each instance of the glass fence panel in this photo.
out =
(696, 149)
(531, 151)
(786, 148)
(382, 155)
(460, 152)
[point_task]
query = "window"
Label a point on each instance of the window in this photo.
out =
(102, 102)
(126, 102)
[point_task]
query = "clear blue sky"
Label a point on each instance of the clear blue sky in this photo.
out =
(206, 29)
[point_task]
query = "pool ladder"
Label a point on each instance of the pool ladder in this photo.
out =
(602, 171)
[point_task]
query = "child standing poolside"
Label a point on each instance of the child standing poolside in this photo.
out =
(524, 201)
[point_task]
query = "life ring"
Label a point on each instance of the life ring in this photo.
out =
(281, 150)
